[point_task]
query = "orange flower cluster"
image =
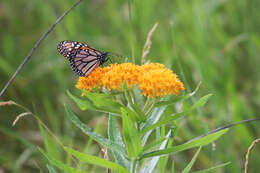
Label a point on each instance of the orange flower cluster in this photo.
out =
(153, 79)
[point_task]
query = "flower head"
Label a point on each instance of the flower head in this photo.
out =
(158, 81)
(153, 79)
(120, 73)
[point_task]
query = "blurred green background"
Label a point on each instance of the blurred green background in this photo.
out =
(216, 42)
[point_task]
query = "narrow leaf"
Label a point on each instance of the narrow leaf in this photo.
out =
(189, 166)
(202, 101)
(139, 112)
(154, 118)
(60, 165)
(172, 118)
(133, 115)
(163, 160)
(82, 104)
(115, 136)
(95, 105)
(151, 165)
(213, 168)
(131, 135)
(113, 131)
(102, 100)
(157, 142)
(49, 144)
(97, 161)
(194, 143)
(177, 98)
(50, 169)
(95, 136)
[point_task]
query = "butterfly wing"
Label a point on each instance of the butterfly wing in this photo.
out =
(83, 59)
(69, 48)
(84, 63)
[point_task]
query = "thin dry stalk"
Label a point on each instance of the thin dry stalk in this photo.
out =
(36, 45)
(20, 116)
(248, 153)
(148, 42)
(106, 157)
(8, 103)
(104, 150)
(225, 127)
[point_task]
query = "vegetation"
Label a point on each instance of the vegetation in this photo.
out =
(215, 42)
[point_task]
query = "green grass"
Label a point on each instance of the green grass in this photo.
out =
(215, 41)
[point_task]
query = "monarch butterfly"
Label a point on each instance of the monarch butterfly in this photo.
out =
(83, 59)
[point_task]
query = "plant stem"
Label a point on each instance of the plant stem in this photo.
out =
(146, 103)
(150, 109)
(134, 165)
(129, 97)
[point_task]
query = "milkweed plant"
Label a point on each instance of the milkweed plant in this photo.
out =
(135, 98)
(141, 132)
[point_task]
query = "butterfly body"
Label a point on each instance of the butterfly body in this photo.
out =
(83, 59)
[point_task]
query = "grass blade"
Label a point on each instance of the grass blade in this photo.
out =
(213, 168)
(51, 169)
(97, 161)
(189, 166)
(194, 143)
(59, 164)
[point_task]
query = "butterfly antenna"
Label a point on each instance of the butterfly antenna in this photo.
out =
(118, 57)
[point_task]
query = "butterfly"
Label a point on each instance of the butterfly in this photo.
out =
(83, 59)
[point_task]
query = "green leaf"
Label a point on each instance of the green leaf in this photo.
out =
(97, 102)
(172, 167)
(49, 143)
(97, 161)
(95, 136)
(127, 93)
(82, 104)
(12, 133)
(102, 100)
(155, 116)
(140, 114)
(50, 169)
(59, 164)
(191, 144)
(115, 136)
(113, 131)
(6, 67)
(133, 115)
(202, 101)
(172, 118)
(213, 168)
(151, 164)
(189, 166)
(131, 135)
(177, 98)
(163, 160)
(156, 142)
